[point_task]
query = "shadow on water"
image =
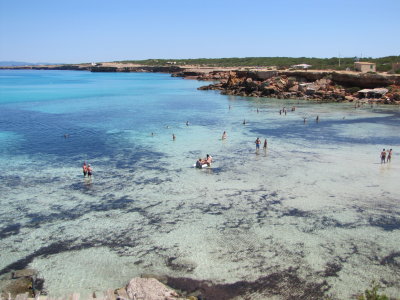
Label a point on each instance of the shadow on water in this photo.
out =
(44, 134)
(328, 130)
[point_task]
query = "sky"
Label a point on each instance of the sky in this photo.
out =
(78, 31)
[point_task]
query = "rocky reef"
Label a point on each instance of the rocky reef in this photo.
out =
(318, 86)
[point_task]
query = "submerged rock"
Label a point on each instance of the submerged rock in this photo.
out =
(149, 289)
(18, 286)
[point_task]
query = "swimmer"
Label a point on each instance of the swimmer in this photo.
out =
(317, 119)
(224, 136)
(187, 123)
(257, 110)
(305, 120)
(173, 137)
(265, 144)
(244, 122)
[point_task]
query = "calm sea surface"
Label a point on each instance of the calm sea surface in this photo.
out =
(316, 206)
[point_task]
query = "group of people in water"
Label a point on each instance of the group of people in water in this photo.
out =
(258, 143)
(87, 170)
(386, 156)
(204, 162)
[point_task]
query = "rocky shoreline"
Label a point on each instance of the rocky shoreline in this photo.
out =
(26, 284)
(317, 86)
(323, 85)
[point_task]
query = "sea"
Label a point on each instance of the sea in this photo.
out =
(317, 209)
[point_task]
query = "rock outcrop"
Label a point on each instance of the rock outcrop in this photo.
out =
(319, 86)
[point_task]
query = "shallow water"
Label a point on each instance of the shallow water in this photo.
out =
(317, 203)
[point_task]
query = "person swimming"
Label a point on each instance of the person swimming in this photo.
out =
(173, 137)
(224, 136)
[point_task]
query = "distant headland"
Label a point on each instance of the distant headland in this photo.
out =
(319, 79)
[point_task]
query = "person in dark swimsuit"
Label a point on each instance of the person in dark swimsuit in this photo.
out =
(383, 156)
(89, 171)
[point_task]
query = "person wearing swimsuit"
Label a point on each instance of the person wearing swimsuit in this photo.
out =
(383, 156)
(89, 171)
(389, 157)
(258, 143)
(84, 169)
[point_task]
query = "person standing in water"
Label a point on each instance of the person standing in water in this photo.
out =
(84, 169)
(173, 137)
(265, 144)
(258, 143)
(89, 171)
(317, 119)
(389, 156)
(208, 160)
(224, 136)
(383, 156)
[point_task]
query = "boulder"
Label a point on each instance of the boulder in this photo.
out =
(149, 289)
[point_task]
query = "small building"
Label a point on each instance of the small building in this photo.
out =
(372, 93)
(364, 67)
(301, 66)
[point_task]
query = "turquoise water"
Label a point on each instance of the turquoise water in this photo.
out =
(317, 197)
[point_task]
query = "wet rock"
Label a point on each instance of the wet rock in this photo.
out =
(18, 286)
(24, 273)
(149, 289)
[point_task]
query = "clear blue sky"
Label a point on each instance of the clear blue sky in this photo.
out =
(74, 31)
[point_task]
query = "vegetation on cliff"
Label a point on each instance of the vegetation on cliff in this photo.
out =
(382, 64)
